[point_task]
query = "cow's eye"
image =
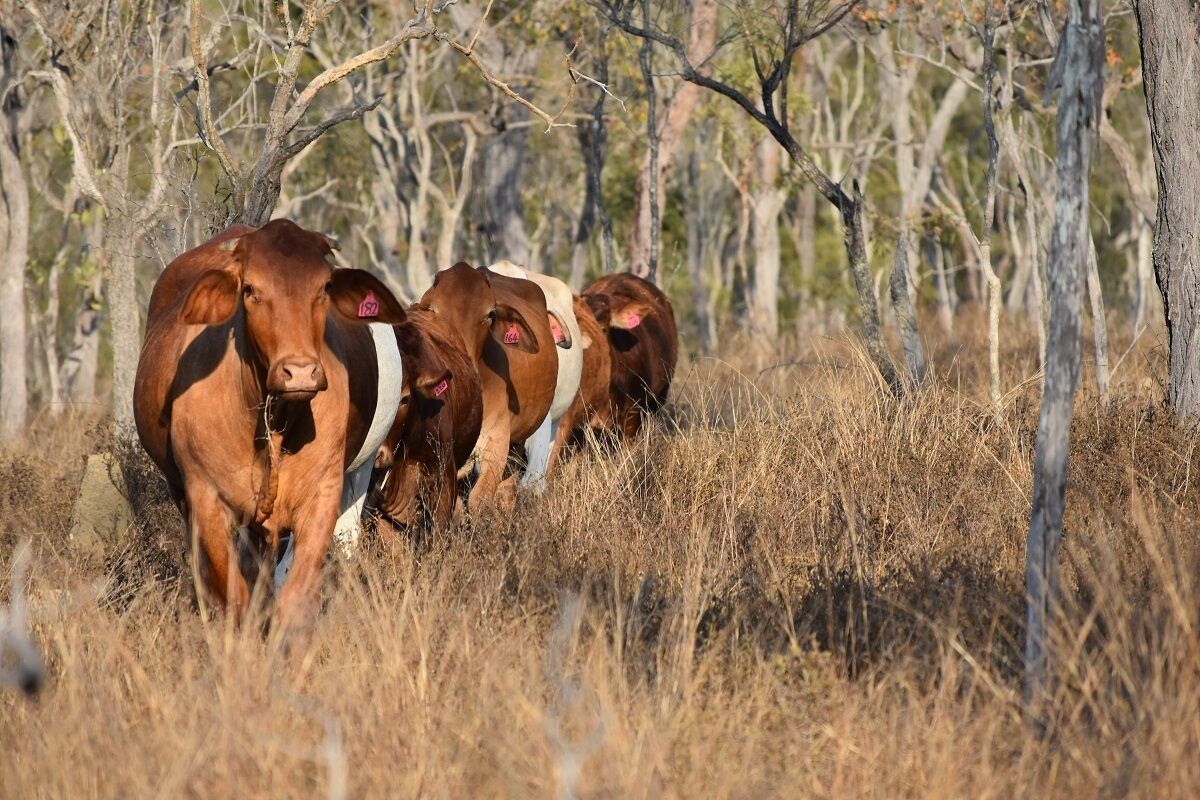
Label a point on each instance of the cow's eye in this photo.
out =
(249, 293)
(328, 287)
(490, 318)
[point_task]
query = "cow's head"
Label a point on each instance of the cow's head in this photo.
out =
(283, 279)
(464, 297)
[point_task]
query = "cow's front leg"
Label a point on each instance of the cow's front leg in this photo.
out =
(312, 532)
(212, 532)
(492, 458)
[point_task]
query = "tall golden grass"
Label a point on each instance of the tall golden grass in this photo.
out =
(789, 587)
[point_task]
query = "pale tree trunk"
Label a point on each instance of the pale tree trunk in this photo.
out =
(449, 210)
(766, 204)
(14, 346)
(1080, 64)
(1169, 31)
(125, 318)
(989, 206)
(699, 242)
(1145, 276)
(664, 141)
(943, 283)
(1099, 328)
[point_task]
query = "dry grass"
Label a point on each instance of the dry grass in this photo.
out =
(790, 587)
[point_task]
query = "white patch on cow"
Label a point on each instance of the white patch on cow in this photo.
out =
(358, 475)
(537, 454)
(387, 392)
(560, 302)
(354, 494)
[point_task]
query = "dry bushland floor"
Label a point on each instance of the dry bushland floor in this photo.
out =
(790, 587)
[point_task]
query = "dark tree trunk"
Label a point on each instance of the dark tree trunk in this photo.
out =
(1079, 63)
(1169, 31)
(504, 210)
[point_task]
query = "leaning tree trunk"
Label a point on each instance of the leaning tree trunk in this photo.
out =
(1080, 64)
(1169, 32)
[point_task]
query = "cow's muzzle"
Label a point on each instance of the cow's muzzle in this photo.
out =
(296, 380)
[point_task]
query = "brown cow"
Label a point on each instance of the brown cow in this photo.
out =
(503, 322)
(592, 406)
(436, 425)
(256, 388)
(645, 346)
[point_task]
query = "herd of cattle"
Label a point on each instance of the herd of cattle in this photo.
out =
(277, 392)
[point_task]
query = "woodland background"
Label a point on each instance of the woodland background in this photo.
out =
(115, 159)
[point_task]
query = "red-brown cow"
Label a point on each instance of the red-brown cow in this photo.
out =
(436, 425)
(645, 346)
(256, 388)
(504, 325)
(592, 406)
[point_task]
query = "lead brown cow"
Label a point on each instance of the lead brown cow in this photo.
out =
(645, 346)
(256, 388)
(437, 423)
(503, 323)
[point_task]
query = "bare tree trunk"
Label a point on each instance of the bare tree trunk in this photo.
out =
(766, 204)
(699, 242)
(649, 195)
(649, 255)
(989, 205)
(503, 179)
(1079, 63)
(936, 255)
(1099, 328)
(125, 318)
(1145, 276)
(14, 345)
(1169, 31)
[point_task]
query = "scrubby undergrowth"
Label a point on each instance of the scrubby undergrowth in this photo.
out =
(790, 587)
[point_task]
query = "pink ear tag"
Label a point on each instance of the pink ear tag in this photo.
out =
(632, 320)
(512, 335)
(556, 329)
(369, 307)
(441, 388)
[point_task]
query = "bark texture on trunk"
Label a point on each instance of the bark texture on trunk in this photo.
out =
(1079, 63)
(1169, 32)
(504, 211)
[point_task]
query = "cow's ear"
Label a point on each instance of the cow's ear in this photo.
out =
(601, 308)
(630, 315)
(212, 300)
(359, 296)
(560, 331)
(434, 383)
(511, 330)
